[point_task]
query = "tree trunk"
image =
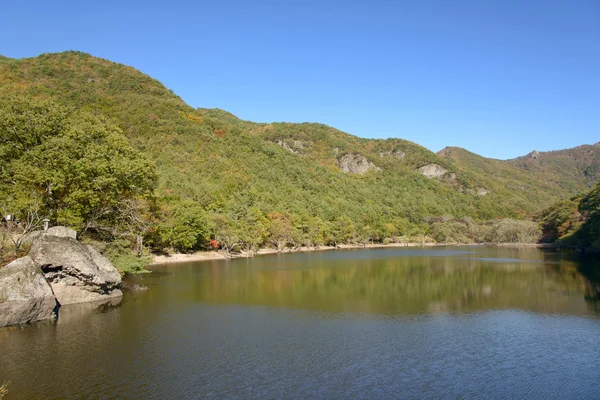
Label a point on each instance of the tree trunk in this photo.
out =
(140, 244)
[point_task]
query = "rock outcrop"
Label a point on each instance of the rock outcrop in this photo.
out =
(76, 272)
(25, 294)
(356, 164)
(433, 171)
(58, 231)
(397, 154)
(293, 146)
(62, 231)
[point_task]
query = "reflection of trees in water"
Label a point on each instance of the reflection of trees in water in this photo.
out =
(591, 270)
(406, 285)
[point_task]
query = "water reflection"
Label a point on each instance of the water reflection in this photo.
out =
(410, 323)
(75, 313)
(591, 270)
(392, 281)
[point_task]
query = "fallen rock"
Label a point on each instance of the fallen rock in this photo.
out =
(356, 164)
(432, 171)
(25, 294)
(76, 272)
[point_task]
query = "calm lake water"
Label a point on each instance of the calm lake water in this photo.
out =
(463, 322)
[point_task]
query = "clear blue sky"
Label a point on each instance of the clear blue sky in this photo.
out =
(498, 77)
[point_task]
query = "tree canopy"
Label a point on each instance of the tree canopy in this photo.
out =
(76, 167)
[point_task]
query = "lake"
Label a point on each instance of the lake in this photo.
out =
(443, 322)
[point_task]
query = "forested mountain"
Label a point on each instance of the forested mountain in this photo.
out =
(553, 173)
(223, 178)
(573, 222)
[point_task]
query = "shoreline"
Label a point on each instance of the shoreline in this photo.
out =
(217, 255)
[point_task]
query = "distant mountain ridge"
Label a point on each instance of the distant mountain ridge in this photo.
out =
(567, 171)
(211, 158)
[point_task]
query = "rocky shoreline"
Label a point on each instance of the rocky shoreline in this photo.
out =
(58, 271)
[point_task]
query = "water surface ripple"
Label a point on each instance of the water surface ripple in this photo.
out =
(468, 322)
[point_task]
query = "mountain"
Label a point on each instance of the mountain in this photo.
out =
(540, 176)
(209, 158)
(573, 169)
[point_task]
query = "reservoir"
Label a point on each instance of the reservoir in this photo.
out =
(441, 322)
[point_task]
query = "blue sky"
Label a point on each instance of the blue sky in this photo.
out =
(499, 78)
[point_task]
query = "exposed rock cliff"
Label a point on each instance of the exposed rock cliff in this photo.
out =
(356, 164)
(397, 154)
(25, 294)
(433, 171)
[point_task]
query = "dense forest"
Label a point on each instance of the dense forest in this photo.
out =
(111, 152)
(573, 222)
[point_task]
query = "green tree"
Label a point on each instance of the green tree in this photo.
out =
(342, 230)
(281, 230)
(228, 232)
(80, 168)
(187, 227)
(254, 229)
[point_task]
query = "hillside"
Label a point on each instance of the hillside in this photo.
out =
(573, 222)
(573, 169)
(226, 171)
(540, 176)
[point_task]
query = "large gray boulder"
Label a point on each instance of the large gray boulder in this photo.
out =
(25, 294)
(58, 231)
(76, 272)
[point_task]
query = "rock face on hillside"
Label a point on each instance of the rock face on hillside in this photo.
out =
(356, 164)
(293, 146)
(397, 154)
(433, 171)
(25, 294)
(76, 272)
